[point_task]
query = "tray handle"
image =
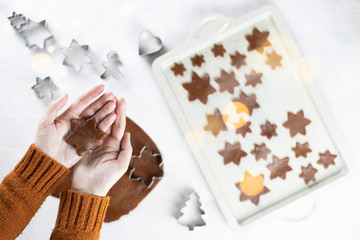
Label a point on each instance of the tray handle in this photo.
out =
(210, 25)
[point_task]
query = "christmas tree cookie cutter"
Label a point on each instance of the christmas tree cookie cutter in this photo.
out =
(141, 167)
(196, 220)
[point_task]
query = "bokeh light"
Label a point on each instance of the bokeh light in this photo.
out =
(41, 63)
(235, 114)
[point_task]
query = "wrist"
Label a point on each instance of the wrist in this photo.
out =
(89, 191)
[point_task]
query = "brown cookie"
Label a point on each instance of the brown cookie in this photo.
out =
(84, 135)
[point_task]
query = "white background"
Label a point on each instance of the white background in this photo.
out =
(327, 33)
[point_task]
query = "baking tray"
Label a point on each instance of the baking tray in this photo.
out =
(286, 88)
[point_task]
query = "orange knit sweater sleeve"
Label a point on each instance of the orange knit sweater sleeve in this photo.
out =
(24, 190)
(80, 216)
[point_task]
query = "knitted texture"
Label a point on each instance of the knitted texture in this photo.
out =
(80, 216)
(24, 190)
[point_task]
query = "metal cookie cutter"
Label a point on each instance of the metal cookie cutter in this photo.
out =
(17, 21)
(148, 43)
(44, 88)
(76, 55)
(112, 67)
(190, 212)
(146, 167)
(37, 36)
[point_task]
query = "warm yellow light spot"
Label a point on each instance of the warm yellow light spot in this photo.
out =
(126, 9)
(252, 185)
(306, 70)
(58, 24)
(62, 72)
(75, 22)
(235, 114)
(40, 63)
(50, 49)
(195, 139)
(348, 80)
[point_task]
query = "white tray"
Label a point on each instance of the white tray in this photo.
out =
(283, 90)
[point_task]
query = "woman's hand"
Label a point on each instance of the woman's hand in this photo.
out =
(53, 129)
(100, 169)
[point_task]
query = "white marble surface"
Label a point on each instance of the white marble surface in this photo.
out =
(327, 32)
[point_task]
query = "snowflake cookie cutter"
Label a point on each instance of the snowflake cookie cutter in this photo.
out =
(31, 32)
(149, 43)
(76, 55)
(17, 21)
(112, 67)
(191, 224)
(158, 157)
(44, 88)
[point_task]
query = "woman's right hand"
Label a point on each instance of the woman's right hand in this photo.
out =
(100, 169)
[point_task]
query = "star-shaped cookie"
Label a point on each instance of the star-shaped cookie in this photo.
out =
(273, 60)
(238, 60)
(178, 69)
(84, 135)
(301, 149)
(244, 129)
(296, 123)
(215, 123)
(227, 81)
(326, 159)
(258, 40)
(146, 167)
(279, 167)
(197, 60)
(253, 78)
(268, 130)
(218, 50)
(260, 151)
(252, 188)
(232, 153)
(248, 100)
(199, 88)
(308, 173)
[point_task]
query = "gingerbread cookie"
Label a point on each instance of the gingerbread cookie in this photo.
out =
(258, 40)
(268, 130)
(215, 123)
(232, 153)
(296, 123)
(227, 81)
(252, 188)
(199, 88)
(279, 167)
(84, 135)
(260, 151)
(238, 60)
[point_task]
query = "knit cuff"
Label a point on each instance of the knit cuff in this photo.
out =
(39, 171)
(81, 212)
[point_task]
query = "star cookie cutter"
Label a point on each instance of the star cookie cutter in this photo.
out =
(37, 36)
(113, 66)
(44, 88)
(148, 43)
(76, 56)
(159, 164)
(17, 21)
(198, 222)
